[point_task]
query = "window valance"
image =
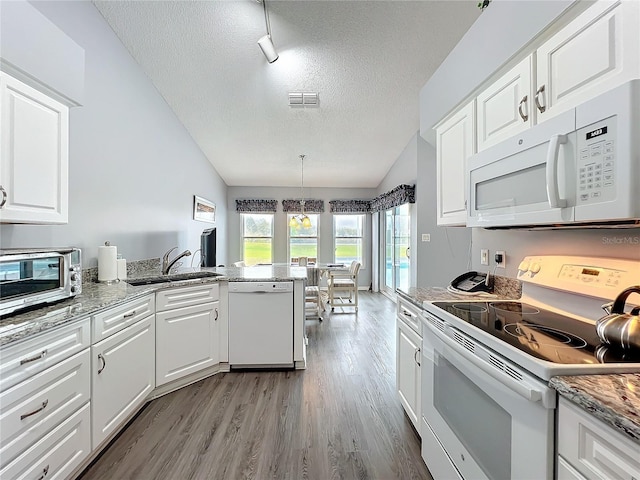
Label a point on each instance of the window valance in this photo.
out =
(256, 206)
(350, 206)
(398, 196)
(310, 206)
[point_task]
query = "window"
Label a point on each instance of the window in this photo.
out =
(303, 242)
(347, 237)
(257, 238)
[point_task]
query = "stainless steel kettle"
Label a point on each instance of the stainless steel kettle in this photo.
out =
(619, 329)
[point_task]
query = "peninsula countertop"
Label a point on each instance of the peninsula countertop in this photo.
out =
(99, 296)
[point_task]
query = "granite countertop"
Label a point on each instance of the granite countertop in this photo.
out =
(505, 289)
(99, 296)
(614, 398)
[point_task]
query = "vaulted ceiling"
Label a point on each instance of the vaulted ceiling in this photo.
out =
(367, 60)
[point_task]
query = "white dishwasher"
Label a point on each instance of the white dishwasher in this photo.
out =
(260, 324)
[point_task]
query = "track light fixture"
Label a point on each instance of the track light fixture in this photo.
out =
(266, 43)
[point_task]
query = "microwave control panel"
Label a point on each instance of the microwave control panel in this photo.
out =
(596, 145)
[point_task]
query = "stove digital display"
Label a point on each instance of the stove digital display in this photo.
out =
(590, 271)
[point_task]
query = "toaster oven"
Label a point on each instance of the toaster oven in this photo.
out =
(37, 276)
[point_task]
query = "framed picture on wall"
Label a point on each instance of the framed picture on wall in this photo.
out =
(204, 210)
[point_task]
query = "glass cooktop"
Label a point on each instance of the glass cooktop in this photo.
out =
(543, 334)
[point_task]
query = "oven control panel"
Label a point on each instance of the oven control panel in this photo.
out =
(598, 277)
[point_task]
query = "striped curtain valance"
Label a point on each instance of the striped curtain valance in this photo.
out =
(398, 196)
(310, 206)
(350, 206)
(256, 206)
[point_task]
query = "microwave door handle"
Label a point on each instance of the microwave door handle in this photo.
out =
(552, 171)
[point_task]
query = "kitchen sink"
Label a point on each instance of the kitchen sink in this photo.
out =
(176, 277)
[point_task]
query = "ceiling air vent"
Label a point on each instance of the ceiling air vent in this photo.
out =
(303, 99)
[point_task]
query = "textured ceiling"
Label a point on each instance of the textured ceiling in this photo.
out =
(366, 59)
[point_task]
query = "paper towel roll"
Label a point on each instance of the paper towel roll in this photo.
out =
(122, 269)
(107, 263)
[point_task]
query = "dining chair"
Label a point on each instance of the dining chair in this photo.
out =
(342, 283)
(313, 299)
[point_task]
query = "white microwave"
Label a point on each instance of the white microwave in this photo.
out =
(579, 168)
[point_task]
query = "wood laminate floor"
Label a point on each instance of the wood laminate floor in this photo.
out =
(340, 418)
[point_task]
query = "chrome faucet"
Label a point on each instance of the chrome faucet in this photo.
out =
(166, 264)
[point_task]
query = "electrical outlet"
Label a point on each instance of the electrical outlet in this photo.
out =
(426, 237)
(484, 256)
(503, 262)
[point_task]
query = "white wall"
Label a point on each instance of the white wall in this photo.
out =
(446, 256)
(611, 243)
(325, 247)
(133, 167)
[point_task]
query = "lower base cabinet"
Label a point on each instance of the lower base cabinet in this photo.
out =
(58, 453)
(589, 449)
(186, 341)
(408, 352)
(123, 375)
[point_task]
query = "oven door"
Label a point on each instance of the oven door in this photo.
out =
(490, 425)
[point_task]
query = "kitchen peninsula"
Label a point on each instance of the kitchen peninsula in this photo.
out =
(176, 332)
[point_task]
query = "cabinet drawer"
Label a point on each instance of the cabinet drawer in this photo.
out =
(593, 448)
(57, 454)
(34, 355)
(115, 319)
(33, 407)
(409, 314)
(187, 296)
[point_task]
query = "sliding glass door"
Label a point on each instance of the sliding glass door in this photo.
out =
(396, 273)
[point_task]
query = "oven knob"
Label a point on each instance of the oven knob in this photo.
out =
(74, 289)
(524, 265)
(535, 268)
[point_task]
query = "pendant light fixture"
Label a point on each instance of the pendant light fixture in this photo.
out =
(266, 43)
(303, 219)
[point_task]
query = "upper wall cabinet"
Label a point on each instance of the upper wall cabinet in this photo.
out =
(455, 143)
(504, 109)
(596, 52)
(34, 155)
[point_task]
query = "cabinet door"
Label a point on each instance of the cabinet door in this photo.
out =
(504, 109)
(597, 51)
(408, 379)
(593, 448)
(454, 144)
(122, 377)
(35, 155)
(186, 341)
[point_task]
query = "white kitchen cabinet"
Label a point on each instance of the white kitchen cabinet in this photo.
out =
(35, 406)
(45, 402)
(455, 142)
(408, 352)
(505, 108)
(34, 165)
(58, 453)
(590, 449)
(597, 51)
(123, 375)
(111, 321)
(186, 341)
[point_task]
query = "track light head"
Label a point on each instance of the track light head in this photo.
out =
(266, 45)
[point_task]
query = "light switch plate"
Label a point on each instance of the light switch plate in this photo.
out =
(484, 256)
(426, 237)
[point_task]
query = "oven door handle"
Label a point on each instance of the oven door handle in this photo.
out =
(452, 350)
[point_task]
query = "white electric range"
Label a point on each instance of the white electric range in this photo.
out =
(488, 411)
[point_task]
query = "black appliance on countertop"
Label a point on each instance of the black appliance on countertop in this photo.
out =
(208, 248)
